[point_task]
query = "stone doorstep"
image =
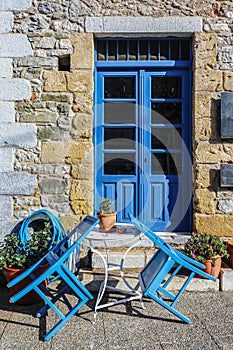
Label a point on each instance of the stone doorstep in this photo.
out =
(93, 279)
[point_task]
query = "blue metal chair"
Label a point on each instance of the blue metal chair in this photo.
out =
(57, 259)
(165, 264)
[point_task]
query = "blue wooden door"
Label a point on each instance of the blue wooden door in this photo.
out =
(142, 138)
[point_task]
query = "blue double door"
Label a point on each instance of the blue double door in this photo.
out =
(142, 142)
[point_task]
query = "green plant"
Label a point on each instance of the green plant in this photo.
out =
(202, 247)
(12, 253)
(105, 206)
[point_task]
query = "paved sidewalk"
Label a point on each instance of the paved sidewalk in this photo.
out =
(125, 327)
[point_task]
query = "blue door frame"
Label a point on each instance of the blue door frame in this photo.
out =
(162, 200)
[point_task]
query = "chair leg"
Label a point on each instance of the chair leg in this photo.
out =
(62, 322)
(169, 308)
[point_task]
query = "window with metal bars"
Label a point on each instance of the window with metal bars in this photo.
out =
(143, 49)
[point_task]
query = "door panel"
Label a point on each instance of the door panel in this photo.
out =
(116, 141)
(166, 125)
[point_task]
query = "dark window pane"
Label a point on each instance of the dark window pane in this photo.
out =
(119, 138)
(174, 50)
(133, 50)
(166, 113)
(166, 138)
(154, 50)
(166, 163)
(119, 164)
(119, 112)
(101, 50)
(143, 50)
(112, 50)
(118, 87)
(122, 50)
(164, 50)
(166, 87)
(185, 50)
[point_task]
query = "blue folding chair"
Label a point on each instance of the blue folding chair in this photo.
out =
(153, 276)
(57, 259)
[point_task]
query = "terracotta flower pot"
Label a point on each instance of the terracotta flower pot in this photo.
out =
(213, 269)
(30, 298)
(230, 250)
(107, 221)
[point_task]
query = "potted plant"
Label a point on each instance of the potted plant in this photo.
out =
(230, 250)
(16, 258)
(207, 249)
(106, 215)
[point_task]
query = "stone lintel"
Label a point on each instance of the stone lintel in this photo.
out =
(129, 25)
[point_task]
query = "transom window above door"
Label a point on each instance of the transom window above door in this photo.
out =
(143, 49)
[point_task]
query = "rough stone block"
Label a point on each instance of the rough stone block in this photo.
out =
(6, 67)
(204, 201)
(83, 102)
(228, 81)
(13, 184)
(46, 117)
(6, 207)
(206, 105)
(15, 45)
(220, 225)
(205, 52)
(6, 20)
(208, 79)
(55, 152)
(81, 207)
(52, 186)
(14, 90)
(82, 190)
(83, 56)
(80, 81)
(54, 81)
(6, 160)
(18, 135)
(14, 5)
(7, 112)
(203, 175)
(212, 153)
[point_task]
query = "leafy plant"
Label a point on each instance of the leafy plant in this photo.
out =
(12, 253)
(105, 206)
(202, 247)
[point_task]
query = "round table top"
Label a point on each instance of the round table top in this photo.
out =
(119, 235)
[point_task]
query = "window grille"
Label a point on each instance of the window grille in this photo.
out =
(143, 49)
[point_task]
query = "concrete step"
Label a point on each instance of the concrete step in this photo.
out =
(93, 280)
(226, 278)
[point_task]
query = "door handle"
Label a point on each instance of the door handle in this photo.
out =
(145, 160)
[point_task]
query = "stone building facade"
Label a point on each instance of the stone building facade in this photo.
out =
(46, 100)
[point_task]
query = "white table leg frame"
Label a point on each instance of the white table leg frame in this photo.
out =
(135, 295)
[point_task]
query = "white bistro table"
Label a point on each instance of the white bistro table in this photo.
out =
(122, 236)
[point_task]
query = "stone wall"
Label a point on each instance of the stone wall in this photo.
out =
(46, 116)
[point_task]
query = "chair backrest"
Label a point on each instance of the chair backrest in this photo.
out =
(153, 237)
(152, 268)
(84, 227)
(81, 230)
